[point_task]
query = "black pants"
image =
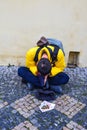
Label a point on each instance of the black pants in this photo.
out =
(59, 79)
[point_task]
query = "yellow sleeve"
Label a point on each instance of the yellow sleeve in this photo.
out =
(30, 63)
(59, 64)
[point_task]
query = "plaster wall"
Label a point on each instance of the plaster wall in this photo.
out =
(23, 22)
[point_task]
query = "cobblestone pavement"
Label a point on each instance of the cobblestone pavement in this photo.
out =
(19, 109)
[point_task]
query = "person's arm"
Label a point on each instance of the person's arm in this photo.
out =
(30, 63)
(43, 79)
(59, 64)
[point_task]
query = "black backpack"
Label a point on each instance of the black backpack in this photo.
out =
(53, 42)
(47, 95)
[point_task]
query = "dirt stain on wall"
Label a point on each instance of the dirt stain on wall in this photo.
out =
(12, 60)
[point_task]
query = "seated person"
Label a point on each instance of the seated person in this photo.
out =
(43, 73)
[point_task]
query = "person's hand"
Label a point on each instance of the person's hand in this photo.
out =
(45, 79)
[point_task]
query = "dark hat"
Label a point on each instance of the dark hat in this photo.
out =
(44, 66)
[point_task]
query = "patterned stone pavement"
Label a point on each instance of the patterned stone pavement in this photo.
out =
(19, 109)
(24, 126)
(69, 106)
(73, 126)
(26, 105)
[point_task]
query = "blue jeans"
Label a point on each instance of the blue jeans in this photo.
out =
(26, 74)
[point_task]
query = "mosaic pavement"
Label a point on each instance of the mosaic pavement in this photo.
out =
(27, 105)
(19, 109)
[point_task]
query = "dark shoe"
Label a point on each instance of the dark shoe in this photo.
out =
(24, 81)
(30, 86)
(57, 89)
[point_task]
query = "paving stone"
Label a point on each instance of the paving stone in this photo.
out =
(14, 111)
(65, 128)
(26, 105)
(52, 118)
(68, 105)
(8, 119)
(73, 126)
(25, 126)
(3, 104)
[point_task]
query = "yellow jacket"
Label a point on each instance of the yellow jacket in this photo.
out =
(31, 64)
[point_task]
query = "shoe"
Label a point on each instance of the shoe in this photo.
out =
(24, 81)
(57, 89)
(30, 86)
